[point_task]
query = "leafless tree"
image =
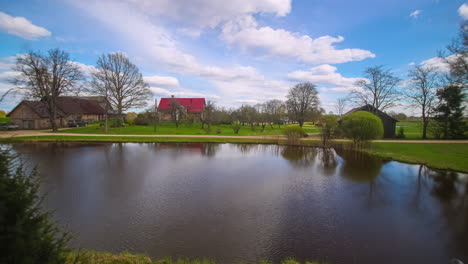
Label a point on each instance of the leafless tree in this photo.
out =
(177, 111)
(379, 89)
(340, 106)
(422, 91)
(120, 82)
(302, 98)
(275, 110)
(457, 57)
(46, 77)
(208, 114)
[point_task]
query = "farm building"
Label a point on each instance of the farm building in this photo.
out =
(35, 114)
(389, 123)
(192, 106)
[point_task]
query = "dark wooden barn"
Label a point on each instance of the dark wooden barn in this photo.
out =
(389, 123)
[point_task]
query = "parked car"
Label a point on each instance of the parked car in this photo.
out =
(8, 126)
(77, 123)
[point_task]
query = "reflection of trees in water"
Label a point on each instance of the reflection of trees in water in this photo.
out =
(204, 149)
(299, 156)
(451, 189)
(328, 160)
(358, 166)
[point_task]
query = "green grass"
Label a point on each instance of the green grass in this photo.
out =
(5, 119)
(92, 257)
(183, 129)
(452, 156)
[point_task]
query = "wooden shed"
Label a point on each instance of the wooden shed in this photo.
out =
(35, 114)
(389, 123)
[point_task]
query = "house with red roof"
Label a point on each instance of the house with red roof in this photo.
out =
(191, 106)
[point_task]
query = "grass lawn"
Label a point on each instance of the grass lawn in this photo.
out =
(4, 119)
(452, 156)
(92, 257)
(184, 129)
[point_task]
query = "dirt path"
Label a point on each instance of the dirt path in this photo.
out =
(31, 133)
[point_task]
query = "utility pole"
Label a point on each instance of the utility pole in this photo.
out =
(155, 114)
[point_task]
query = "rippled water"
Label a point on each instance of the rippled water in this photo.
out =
(246, 203)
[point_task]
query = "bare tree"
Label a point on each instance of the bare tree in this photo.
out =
(422, 91)
(379, 89)
(46, 77)
(302, 98)
(208, 114)
(120, 82)
(275, 111)
(177, 111)
(340, 106)
(457, 57)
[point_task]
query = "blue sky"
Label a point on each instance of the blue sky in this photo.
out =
(237, 51)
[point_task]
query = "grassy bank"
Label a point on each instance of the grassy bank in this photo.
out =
(92, 257)
(452, 156)
(170, 128)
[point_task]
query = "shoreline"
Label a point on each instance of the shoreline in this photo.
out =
(395, 150)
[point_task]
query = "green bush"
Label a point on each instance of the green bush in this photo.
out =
(142, 120)
(236, 127)
(27, 235)
(362, 126)
(293, 133)
(400, 133)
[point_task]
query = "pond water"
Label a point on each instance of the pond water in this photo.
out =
(244, 203)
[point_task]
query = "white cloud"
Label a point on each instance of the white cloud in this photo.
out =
(5, 65)
(245, 34)
(325, 75)
(210, 13)
(190, 32)
(463, 11)
(21, 27)
(161, 92)
(6, 76)
(164, 81)
(156, 46)
(415, 13)
(439, 64)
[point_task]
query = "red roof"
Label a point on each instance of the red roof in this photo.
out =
(193, 105)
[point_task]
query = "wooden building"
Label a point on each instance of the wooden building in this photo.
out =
(389, 123)
(35, 114)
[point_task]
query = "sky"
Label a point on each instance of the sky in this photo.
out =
(238, 51)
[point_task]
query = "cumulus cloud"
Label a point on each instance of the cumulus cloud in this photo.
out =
(325, 75)
(161, 50)
(247, 35)
(210, 13)
(161, 92)
(463, 11)
(164, 81)
(21, 27)
(440, 64)
(415, 13)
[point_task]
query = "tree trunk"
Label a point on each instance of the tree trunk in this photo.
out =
(425, 123)
(53, 116)
(301, 122)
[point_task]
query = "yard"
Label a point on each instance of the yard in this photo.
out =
(170, 128)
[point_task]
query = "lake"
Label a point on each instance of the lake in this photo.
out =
(245, 202)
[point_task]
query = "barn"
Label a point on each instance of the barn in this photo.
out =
(193, 106)
(35, 114)
(389, 123)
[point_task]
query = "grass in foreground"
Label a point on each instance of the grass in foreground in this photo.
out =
(169, 128)
(92, 257)
(453, 156)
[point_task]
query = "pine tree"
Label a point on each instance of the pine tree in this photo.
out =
(27, 235)
(449, 111)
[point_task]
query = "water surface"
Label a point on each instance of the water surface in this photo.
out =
(246, 202)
